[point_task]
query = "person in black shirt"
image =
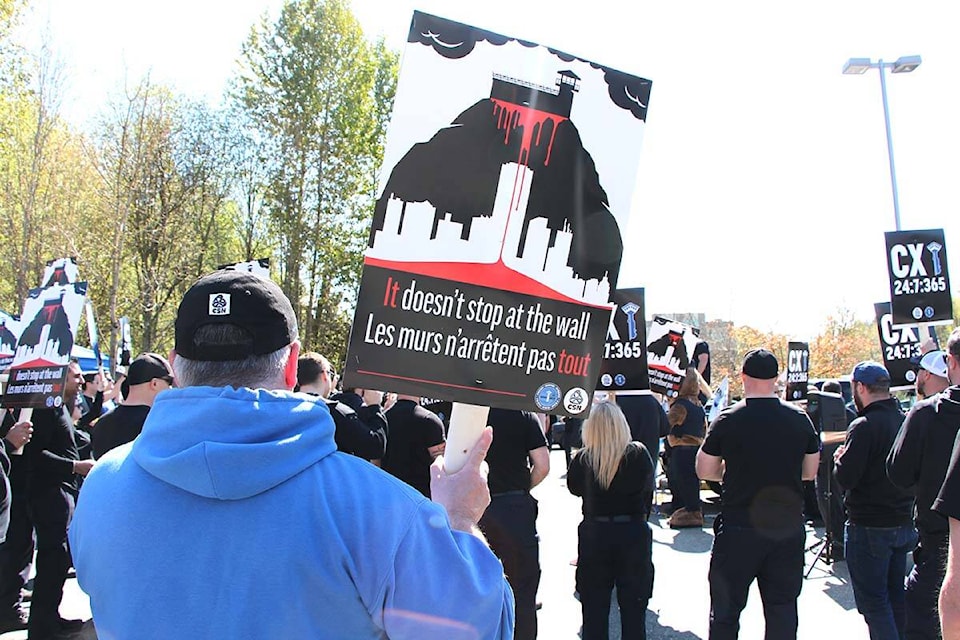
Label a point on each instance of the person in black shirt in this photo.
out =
(647, 419)
(947, 503)
(762, 449)
(918, 462)
(879, 530)
(147, 376)
(416, 439)
(367, 440)
(519, 460)
(52, 464)
(614, 476)
(687, 427)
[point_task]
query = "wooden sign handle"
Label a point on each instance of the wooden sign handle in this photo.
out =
(467, 422)
(25, 416)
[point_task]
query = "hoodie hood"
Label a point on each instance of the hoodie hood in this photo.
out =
(230, 444)
(948, 402)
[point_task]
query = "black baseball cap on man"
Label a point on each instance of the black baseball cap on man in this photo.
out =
(253, 304)
(760, 364)
(146, 367)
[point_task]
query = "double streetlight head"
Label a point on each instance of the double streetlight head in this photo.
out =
(904, 64)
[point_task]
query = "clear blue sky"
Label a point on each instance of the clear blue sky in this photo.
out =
(764, 187)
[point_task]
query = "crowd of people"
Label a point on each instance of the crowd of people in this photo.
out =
(240, 460)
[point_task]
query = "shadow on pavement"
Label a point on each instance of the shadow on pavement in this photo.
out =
(688, 540)
(657, 631)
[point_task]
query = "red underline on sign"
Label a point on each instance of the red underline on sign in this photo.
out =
(442, 384)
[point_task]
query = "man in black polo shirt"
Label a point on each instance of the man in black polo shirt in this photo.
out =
(762, 449)
(416, 439)
(147, 376)
(918, 462)
(519, 459)
(361, 436)
(879, 530)
(947, 503)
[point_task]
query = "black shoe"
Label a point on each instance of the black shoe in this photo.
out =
(13, 622)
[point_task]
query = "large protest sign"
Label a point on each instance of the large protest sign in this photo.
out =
(919, 282)
(798, 370)
(624, 366)
(9, 334)
(670, 345)
(50, 319)
(496, 240)
(900, 347)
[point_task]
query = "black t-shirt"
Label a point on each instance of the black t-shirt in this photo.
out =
(120, 426)
(763, 442)
(51, 452)
(701, 348)
(628, 494)
(647, 420)
(515, 433)
(413, 430)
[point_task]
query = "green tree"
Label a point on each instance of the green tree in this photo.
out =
(320, 94)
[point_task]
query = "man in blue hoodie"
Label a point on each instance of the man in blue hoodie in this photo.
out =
(233, 515)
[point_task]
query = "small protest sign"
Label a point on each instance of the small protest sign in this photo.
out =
(721, 400)
(670, 345)
(624, 366)
(9, 334)
(50, 319)
(259, 267)
(798, 370)
(58, 272)
(919, 281)
(900, 347)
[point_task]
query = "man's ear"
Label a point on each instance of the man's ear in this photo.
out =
(170, 359)
(290, 371)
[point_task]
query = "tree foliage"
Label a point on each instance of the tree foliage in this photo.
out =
(320, 94)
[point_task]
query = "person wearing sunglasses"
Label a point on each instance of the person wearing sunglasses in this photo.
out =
(147, 376)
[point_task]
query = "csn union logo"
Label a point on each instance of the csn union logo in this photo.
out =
(547, 397)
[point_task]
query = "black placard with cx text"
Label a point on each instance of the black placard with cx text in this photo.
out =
(898, 345)
(798, 370)
(919, 282)
(624, 366)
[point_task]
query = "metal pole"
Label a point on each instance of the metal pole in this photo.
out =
(886, 120)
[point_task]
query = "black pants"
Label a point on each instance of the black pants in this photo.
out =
(16, 554)
(51, 509)
(615, 554)
(682, 474)
(923, 588)
(510, 525)
(774, 559)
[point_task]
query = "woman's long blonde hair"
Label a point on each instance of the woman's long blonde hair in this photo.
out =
(605, 438)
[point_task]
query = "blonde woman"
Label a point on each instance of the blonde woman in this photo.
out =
(614, 476)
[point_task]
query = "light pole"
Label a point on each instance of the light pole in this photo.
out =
(905, 64)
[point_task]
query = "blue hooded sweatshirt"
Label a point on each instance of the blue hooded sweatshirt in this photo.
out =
(232, 515)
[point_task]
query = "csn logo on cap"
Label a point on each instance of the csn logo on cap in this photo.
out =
(219, 304)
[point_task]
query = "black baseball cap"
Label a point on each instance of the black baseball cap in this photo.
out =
(253, 304)
(760, 364)
(146, 367)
